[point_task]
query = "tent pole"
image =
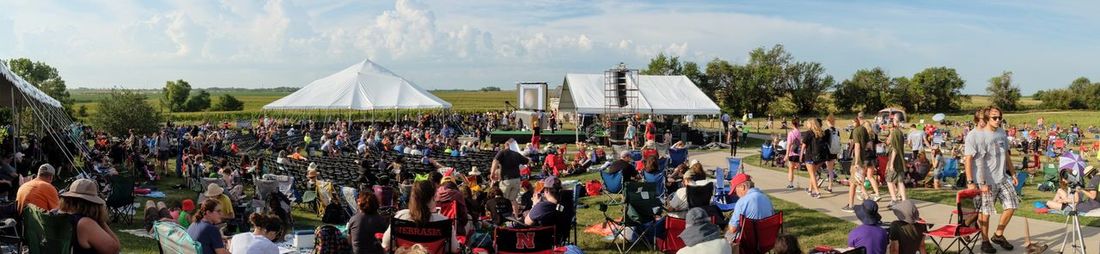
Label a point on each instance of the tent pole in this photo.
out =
(15, 120)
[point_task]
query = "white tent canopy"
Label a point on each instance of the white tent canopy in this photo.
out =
(363, 86)
(12, 82)
(661, 95)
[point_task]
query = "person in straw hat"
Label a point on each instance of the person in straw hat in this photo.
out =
(216, 192)
(89, 213)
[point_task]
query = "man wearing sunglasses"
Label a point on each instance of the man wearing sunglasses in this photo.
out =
(989, 168)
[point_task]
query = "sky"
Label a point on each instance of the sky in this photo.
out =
(469, 44)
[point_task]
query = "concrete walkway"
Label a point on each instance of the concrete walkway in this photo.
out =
(774, 183)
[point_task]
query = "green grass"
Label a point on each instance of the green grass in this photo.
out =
(1029, 196)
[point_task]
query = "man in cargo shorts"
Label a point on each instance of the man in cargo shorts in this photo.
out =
(505, 169)
(988, 167)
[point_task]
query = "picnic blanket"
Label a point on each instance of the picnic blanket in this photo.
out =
(138, 232)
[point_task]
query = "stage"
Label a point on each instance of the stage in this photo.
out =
(557, 137)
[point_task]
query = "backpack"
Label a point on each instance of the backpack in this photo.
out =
(834, 142)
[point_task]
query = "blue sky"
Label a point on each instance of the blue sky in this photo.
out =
(471, 44)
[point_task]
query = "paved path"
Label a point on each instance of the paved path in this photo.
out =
(774, 183)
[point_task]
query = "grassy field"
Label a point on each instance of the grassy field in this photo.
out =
(462, 101)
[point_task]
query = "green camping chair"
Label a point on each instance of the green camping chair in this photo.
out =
(120, 203)
(173, 239)
(47, 232)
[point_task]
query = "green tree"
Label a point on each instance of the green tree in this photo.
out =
(692, 72)
(123, 110)
(227, 103)
(940, 90)
(866, 91)
(805, 83)
(761, 83)
(490, 89)
(1003, 92)
(663, 65)
(720, 77)
(45, 78)
(198, 102)
(82, 111)
(175, 95)
(904, 94)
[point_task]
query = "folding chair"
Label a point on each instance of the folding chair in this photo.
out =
(325, 191)
(699, 195)
(658, 179)
(612, 184)
(47, 232)
(964, 232)
(642, 205)
(173, 239)
(950, 170)
(568, 208)
(677, 157)
(538, 240)
(120, 202)
(758, 236)
(264, 188)
(434, 236)
(767, 152)
(671, 242)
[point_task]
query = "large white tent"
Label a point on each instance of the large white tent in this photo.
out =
(363, 86)
(661, 95)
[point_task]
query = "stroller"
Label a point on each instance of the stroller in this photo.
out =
(780, 160)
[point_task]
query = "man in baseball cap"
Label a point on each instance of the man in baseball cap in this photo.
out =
(751, 202)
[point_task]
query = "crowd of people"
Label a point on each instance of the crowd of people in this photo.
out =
(524, 187)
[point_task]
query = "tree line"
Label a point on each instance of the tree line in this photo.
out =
(772, 81)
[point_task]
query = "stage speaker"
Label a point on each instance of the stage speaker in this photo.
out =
(620, 88)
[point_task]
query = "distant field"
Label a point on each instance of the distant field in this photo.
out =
(254, 101)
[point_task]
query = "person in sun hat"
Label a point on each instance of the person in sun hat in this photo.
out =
(89, 218)
(216, 192)
(906, 233)
(868, 234)
(700, 235)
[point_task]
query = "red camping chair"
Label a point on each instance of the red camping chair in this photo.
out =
(882, 162)
(456, 214)
(964, 232)
(539, 240)
(671, 242)
(434, 236)
(758, 236)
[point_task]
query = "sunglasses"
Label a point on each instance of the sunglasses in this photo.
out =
(995, 118)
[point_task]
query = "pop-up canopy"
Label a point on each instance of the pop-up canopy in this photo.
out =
(363, 86)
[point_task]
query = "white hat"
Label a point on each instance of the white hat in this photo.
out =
(213, 190)
(693, 162)
(474, 171)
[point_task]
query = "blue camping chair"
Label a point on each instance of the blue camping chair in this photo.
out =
(658, 178)
(950, 169)
(735, 167)
(767, 152)
(1022, 177)
(612, 184)
(677, 157)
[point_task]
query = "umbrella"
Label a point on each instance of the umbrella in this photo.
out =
(1072, 161)
(938, 117)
